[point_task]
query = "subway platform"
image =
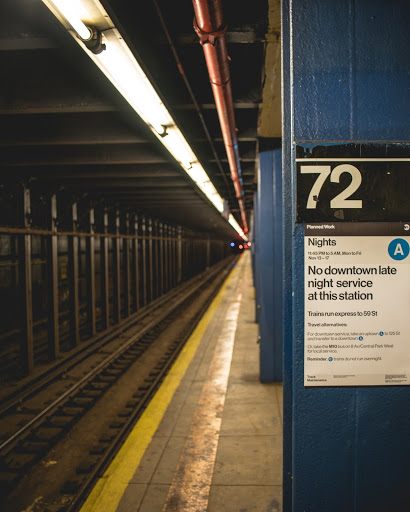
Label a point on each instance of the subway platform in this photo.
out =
(211, 439)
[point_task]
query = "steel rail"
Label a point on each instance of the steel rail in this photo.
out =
(105, 363)
(78, 354)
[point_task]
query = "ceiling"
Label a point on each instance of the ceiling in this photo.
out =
(65, 127)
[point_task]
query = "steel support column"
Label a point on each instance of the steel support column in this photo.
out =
(156, 258)
(25, 285)
(161, 259)
(179, 255)
(184, 255)
(117, 268)
(73, 280)
(127, 269)
(52, 284)
(90, 266)
(173, 256)
(144, 261)
(166, 259)
(105, 283)
(150, 262)
(136, 269)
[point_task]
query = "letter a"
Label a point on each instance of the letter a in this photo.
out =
(398, 250)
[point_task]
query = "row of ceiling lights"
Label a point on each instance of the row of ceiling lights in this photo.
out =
(111, 54)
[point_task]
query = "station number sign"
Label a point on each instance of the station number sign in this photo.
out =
(352, 181)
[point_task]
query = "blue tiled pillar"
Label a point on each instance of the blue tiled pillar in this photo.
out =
(252, 235)
(345, 77)
(255, 253)
(269, 264)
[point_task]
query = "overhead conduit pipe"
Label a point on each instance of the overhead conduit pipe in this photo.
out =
(209, 26)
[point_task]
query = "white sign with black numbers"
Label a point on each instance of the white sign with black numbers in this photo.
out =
(357, 304)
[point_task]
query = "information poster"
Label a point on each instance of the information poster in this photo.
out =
(357, 304)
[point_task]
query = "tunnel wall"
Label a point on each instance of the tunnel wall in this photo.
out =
(71, 268)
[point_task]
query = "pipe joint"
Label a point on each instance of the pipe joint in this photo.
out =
(209, 37)
(219, 83)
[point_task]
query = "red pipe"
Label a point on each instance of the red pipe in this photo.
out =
(209, 26)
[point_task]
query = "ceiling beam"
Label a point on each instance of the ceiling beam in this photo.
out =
(81, 155)
(242, 159)
(76, 139)
(25, 43)
(237, 37)
(143, 186)
(211, 106)
(53, 108)
(94, 172)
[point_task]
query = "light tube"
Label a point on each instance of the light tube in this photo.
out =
(197, 174)
(119, 65)
(179, 148)
(236, 227)
(71, 11)
(121, 68)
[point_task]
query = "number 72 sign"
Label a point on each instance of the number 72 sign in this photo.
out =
(369, 184)
(341, 200)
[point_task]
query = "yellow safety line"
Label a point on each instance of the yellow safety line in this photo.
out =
(191, 485)
(110, 488)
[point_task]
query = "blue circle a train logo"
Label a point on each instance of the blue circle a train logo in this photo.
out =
(399, 249)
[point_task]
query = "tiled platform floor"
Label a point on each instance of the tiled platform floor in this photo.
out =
(247, 473)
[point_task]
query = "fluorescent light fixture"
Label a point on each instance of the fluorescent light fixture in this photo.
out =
(119, 65)
(179, 148)
(237, 227)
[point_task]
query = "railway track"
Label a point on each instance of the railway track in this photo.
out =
(100, 395)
